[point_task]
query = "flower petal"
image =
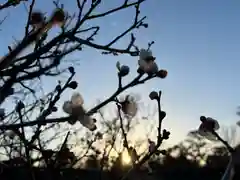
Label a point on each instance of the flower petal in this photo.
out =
(194, 134)
(154, 68)
(208, 135)
(144, 54)
(133, 97)
(216, 124)
(67, 107)
(88, 122)
(118, 65)
(77, 99)
(131, 109)
(78, 111)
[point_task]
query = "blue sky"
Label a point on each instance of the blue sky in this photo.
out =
(198, 43)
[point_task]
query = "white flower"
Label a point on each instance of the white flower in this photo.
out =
(76, 110)
(129, 106)
(152, 145)
(147, 62)
(205, 129)
(209, 124)
(207, 135)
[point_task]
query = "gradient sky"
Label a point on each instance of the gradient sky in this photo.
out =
(198, 42)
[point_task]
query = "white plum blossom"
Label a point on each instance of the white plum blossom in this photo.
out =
(205, 129)
(147, 62)
(129, 106)
(207, 135)
(76, 110)
(209, 124)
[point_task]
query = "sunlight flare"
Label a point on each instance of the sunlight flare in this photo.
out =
(126, 159)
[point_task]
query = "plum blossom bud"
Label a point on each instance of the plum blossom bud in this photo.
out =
(36, 19)
(153, 95)
(165, 134)
(71, 69)
(123, 70)
(162, 115)
(58, 17)
(73, 84)
(162, 73)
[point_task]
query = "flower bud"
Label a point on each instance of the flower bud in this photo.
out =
(165, 134)
(162, 73)
(124, 70)
(71, 69)
(58, 16)
(36, 18)
(58, 88)
(153, 95)
(162, 114)
(203, 118)
(73, 84)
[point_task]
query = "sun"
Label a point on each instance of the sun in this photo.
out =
(202, 162)
(126, 159)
